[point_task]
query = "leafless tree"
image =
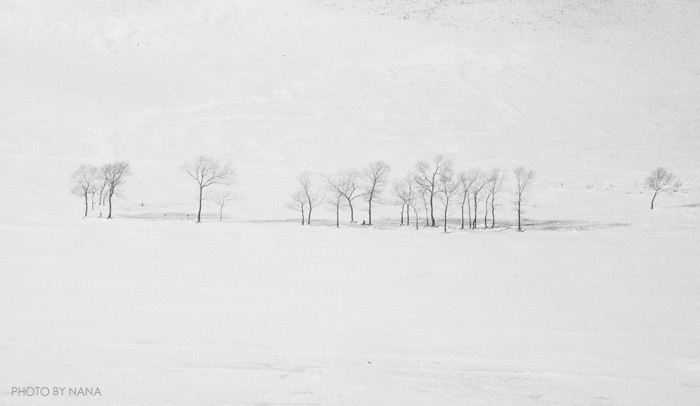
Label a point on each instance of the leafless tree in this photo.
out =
(351, 190)
(84, 182)
(660, 181)
(221, 199)
(411, 195)
(403, 196)
(523, 180)
(466, 180)
(448, 186)
(480, 182)
(206, 171)
(335, 187)
(92, 198)
(423, 194)
(375, 177)
(311, 193)
(298, 202)
(102, 194)
(427, 177)
(413, 201)
(114, 174)
(495, 184)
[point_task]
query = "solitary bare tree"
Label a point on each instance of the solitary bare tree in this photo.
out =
(523, 179)
(375, 176)
(311, 193)
(448, 186)
(206, 171)
(84, 182)
(298, 202)
(659, 181)
(427, 177)
(350, 189)
(221, 199)
(114, 174)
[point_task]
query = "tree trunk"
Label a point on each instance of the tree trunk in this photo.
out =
(86, 205)
(493, 212)
(303, 218)
(308, 221)
(486, 212)
(432, 218)
(519, 227)
(401, 215)
(370, 212)
(199, 211)
(110, 193)
(352, 212)
(102, 200)
(408, 215)
(476, 213)
(445, 225)
(652, 200)
(337, 215)
(416, 215)
(92, 201)
(469, 211)
(221, 213)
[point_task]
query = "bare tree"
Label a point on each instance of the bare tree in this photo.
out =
(410, 196)
(114, 174)
(423, 194)
(335, 187)
(466, 180)
(221, 199)
(311, 193)
(350, 188)
(298, 202)
(448, 186)
(206, 171)
(375, 176)
(495, 184)
(402, 193)
(660, 181)
(480, 182)
(523, 179)
(414, 196)
(84, 182)
(427, 177)
(102, 194)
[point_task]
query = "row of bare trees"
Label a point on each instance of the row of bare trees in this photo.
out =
(88, 180)
(437, 180)
(344, 188)
(432, 182)
(206, 171)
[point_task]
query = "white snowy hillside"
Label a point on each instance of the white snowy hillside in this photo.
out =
(586, 93)
(597, 303)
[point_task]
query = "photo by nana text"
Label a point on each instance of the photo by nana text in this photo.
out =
(55, 391)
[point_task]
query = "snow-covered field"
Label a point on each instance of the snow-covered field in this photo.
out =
(598, 303)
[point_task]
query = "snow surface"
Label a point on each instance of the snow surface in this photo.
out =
(597, 304)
